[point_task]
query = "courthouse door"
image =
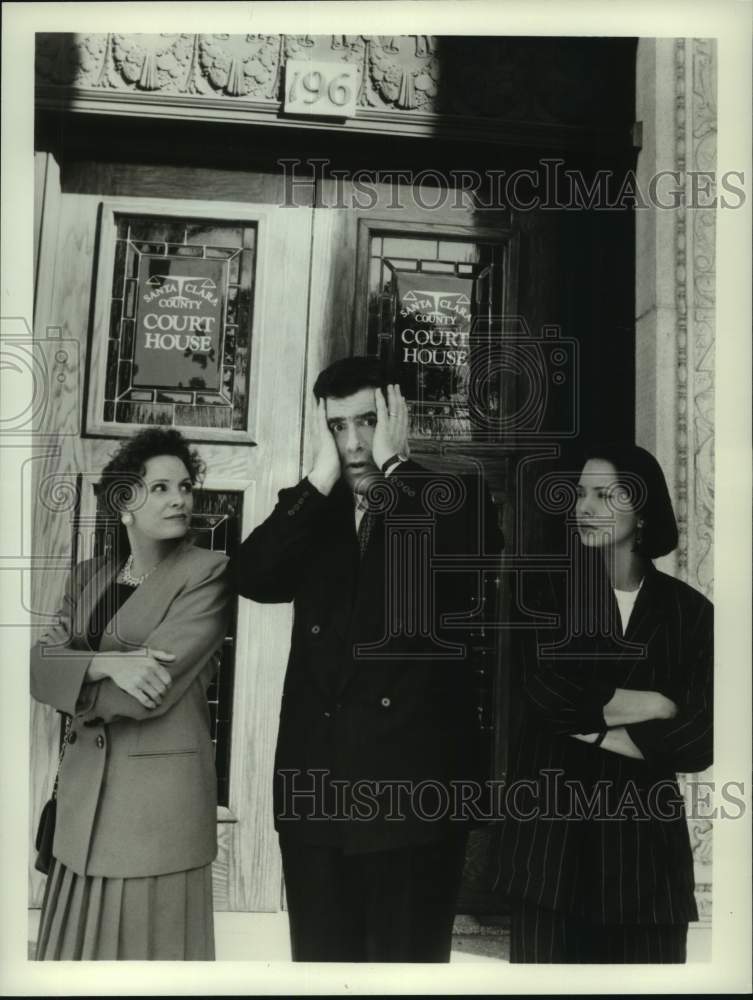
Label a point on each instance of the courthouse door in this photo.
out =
(179, 301)
(435, 291)
(131, 258)
(508, 329)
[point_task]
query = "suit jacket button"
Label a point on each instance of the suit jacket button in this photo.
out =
(327, 715)
(385, 702)
(100, 741)
(315, 630)
(72, 737)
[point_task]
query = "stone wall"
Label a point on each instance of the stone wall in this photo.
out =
(675, 316)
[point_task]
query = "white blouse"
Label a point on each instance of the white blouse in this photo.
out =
(625, 602)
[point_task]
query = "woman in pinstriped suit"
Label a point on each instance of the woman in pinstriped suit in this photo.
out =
(595, 853)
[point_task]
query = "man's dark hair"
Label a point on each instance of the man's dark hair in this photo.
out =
(659, 536)
(349, 375)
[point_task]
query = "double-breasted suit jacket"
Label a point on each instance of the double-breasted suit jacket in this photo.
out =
(353, 717)
(596, 833)
(137, 786)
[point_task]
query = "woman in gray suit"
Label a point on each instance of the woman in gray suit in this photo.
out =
(129, 662)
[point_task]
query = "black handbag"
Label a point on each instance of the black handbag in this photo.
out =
(46, 828)
(45, 836)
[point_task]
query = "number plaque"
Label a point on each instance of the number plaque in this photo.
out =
(326, 90)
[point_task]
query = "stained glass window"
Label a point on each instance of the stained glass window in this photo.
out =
(181, 312)
(431, 305)
(441, 309)
(216, 525)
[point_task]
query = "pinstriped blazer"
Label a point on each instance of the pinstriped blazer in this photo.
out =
(605, 835)
(137, 788)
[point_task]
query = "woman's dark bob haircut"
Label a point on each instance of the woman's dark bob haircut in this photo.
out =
(659, 534)
(125, 469)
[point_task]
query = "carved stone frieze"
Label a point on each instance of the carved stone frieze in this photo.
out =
(700, 840)
(551, 81)
(405, 72)
(151, 62)
(70, 60)
(703, 902)
(237, 65)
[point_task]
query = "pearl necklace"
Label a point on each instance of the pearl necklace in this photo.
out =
(127, 577)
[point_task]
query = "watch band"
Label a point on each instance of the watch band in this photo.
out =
(600, 738)
(393, 460)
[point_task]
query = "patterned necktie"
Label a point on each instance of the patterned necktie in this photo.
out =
(364, 528)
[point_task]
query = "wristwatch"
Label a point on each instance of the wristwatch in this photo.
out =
(392, 461)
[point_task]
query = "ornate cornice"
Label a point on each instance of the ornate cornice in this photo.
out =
(539, 90)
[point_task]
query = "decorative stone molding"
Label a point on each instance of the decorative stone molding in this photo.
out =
(675, 326)
(695, 144)
(703, 325)
(538, 83)
(695, 230)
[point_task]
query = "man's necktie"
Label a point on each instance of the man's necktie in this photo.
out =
(364, 528)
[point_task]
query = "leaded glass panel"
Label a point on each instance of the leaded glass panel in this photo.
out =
(180, 322)
(431, 305)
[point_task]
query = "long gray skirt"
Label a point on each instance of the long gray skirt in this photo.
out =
(164, 917)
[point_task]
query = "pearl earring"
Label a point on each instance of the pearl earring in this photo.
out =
(127, 519)
(638, 540)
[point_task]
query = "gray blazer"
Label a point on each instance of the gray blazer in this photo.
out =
(137, 788)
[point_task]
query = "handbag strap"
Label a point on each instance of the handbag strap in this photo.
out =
(63, 744)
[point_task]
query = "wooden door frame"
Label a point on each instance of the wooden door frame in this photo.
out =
(248, 870)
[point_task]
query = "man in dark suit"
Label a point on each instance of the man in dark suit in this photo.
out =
(378, 724)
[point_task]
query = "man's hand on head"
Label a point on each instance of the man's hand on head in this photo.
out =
(326, 469)
(391, 434)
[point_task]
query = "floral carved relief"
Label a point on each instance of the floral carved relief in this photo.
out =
(238, 65)
(522, 80)
(695, 278)
(404, 72)
(151, 62)
(70, 60)
(704, 131)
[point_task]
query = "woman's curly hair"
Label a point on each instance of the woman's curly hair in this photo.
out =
(124, 472)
